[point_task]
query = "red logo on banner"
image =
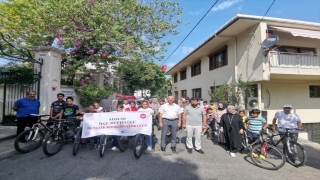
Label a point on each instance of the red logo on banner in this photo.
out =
(143, 116)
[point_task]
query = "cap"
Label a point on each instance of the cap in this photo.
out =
(287, 106)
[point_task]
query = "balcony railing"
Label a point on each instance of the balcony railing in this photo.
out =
(289, 60)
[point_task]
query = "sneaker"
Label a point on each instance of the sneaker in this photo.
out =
(254, 155)
(228, 152)
(232, 154)
(189, 150)
(149, 148)
(262, 157)
(200, 151)
(201, 135)
(114, 148)
(296, 161)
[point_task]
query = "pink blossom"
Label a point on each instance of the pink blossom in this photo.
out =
(77, 48)
(91, 51)
(59, 42)
(91, 2)
(106, 75)
(70, 20)
(71, 52)
(104, 53)
(123, 75)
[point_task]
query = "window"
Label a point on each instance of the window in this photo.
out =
(183, 75)
(196, 69)
(218, 59)
(183, 93)
(292, 49)
(314, 91)
(175, 78)
(196, 93)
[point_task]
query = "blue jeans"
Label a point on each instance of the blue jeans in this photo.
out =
(149, 140)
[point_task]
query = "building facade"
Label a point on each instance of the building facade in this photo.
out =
(286, 73)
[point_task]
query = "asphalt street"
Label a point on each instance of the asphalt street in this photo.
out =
(215, 164)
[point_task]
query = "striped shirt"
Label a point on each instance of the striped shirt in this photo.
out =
(255, 124)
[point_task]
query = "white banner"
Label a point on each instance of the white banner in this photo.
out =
(116, 123)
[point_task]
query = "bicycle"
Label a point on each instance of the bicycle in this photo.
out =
(269, 156)
(291, 153)
(32, 135)
(211, 130)
(139, 145)
(77, 140)
(103, 143)
(58, 136)
(123, 142)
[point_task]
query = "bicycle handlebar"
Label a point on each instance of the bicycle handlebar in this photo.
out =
(36, 115)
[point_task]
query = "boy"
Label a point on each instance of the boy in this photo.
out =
(147, 109)
(212, 105)
(255, 125)
(210, 121)
(205, 106)
(120, 108)
(242, 114)
(70, 111)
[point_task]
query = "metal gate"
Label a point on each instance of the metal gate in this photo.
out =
(16, 84)
(12, 91)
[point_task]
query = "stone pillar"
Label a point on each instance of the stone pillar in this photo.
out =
(51, 75)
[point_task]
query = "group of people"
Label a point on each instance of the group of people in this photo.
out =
(194, 115)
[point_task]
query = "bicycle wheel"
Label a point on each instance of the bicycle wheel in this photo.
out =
(123, 142)
(273, 159)
(103, 142)
(28, 141)
(297, 155)
(53, 143)
(76, 142)
(139, 145)
(210, 134)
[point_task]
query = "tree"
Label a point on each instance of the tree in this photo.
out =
(166, 88)
(140, 75)
(232, 93)
(92, 93)
(95, 31)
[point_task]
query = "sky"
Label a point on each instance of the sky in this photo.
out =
(225, 10)
(222, 12)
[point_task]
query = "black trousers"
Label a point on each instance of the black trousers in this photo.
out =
(22, 122)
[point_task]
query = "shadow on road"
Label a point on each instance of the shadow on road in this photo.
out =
(313, 156)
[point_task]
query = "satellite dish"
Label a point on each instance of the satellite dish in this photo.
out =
(253, 103)
(270, 41)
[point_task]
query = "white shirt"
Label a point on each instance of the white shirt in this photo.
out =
(125, 106)
(170, 111)
(287, 121)
(147, 110)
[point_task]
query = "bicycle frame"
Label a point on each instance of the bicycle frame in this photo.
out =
(286, 135)
(36, 128)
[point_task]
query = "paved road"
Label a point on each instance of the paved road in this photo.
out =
(215, 164)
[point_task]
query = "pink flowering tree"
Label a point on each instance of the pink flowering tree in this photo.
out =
(99, 32)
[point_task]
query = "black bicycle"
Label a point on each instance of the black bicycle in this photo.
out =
(123, 142)
(211, 130)
(103, 143)
(31, 139)
(77, 140)
(263, 154)
(55, 140)
(293, 151)
(139, 145)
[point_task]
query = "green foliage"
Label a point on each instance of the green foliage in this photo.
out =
(21, 74)
(92, 93)
(165, 90)
(93, 31)
(140, 75)
(232, 93)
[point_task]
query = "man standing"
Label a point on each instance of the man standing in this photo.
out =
(184, 102)
(57, 106)
(24, 106)
(170, 115)
(194, 119)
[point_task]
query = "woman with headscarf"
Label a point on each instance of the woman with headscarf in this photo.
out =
(231, 125)
(219, 112)
(113, 106)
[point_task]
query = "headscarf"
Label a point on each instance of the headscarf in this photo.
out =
(223, 108)
(231, 107)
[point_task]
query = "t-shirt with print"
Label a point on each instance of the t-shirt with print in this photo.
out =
(131, 109)
(70, 111)
(287, 121)
(57, 106)
(194, 115)
(255, 124)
